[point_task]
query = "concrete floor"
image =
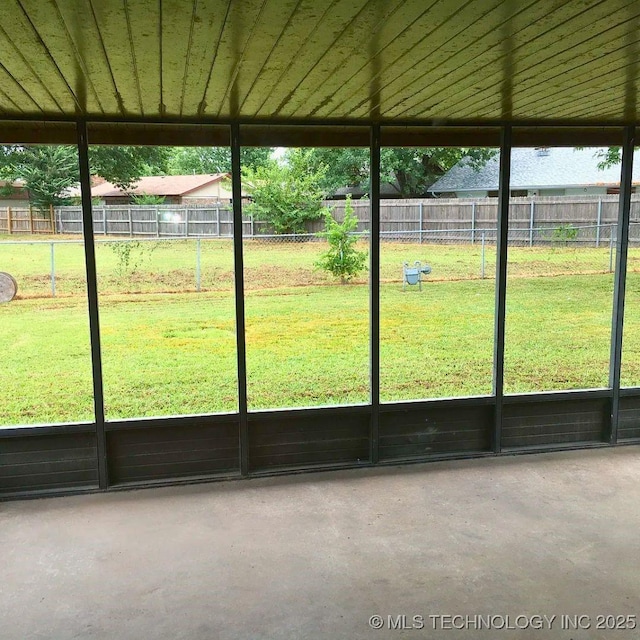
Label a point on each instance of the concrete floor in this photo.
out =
(316, 555)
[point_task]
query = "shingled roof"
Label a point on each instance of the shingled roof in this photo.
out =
(160, 185)
(551, 168)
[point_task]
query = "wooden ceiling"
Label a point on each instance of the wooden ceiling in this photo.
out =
(348, 61)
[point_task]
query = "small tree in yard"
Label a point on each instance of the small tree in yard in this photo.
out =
(342, 260)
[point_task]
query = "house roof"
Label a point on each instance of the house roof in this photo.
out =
(555, 167)
(160, 185)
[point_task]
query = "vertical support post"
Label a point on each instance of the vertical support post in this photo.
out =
(238, 264)
(622, 245)
(104, 221)
(598, 222)
(473, 223)
(130, 222)
(374, 292)
(157, 223)
(52, 219)
(30, 219)
(531, 215)
(253, 228)
(612, 231)
(421, 221)
(186, 223)
(484, 233)
(53, 270)
(92, 298)
(198, 264)
(501, 284)
(9, 224)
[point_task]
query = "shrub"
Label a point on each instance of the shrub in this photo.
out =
(342, 260)
(565, 233)
(285, 194)
(147, 198)
(131, 255)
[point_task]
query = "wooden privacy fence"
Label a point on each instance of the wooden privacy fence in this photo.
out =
(531, 220)
(26, 220)
(534, 220)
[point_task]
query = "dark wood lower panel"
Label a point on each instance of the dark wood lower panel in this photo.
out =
(302, 439)
(435, 428)
(629, 418)
(554, 421)
(57, 461)
(142, 453)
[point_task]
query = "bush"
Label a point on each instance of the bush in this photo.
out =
(342, 260)
(131, 255)
(147, 198)
(565, 233)
(286, 195)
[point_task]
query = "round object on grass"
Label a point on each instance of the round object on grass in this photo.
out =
(8, 287)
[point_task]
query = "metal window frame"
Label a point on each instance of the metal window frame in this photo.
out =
(501, 284)
(92, 301)
(620, 279)
(374, 291)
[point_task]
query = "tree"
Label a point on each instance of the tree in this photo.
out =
(123, 166)
(285, 194)
(198, 160)
(609, 157)
(339, 167)
(411, 169)
(415, 169)
(48, 171)
(342, 259)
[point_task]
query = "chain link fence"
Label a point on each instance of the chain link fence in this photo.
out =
(193, 264)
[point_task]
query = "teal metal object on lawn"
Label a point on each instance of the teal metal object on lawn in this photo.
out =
(412, 275)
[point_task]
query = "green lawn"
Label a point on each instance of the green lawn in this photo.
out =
(169, 350)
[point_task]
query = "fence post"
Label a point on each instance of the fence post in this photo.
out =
(157, 223)
(218, 221)
(611, 228)
(482, 258)
(198, 264)
(53, 270)
(531, 214)
(9, 226)
(421, 220)
(130, 222)
(51, 219)
(30, 220)
(186, 223)
(598, 222)
(104, 220)
(473, 223)
(253, 228)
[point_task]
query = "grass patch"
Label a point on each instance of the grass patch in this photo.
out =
(167, 350)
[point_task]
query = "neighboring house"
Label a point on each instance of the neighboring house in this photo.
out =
(13, 194)
(190, 189)
(541, 171)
